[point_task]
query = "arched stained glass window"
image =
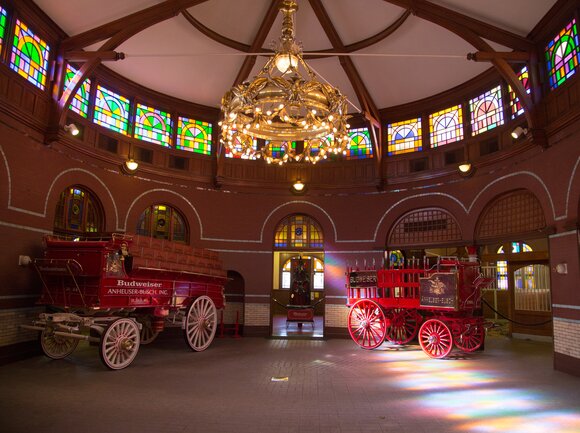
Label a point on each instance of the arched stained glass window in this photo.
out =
(515, 104)
(486, 111)
(152, 125)
(161, 221)
(111, 110)
(359, 145)
(299, 232)
(562, 55)
(238, 154)
(3, 19)
(194, 136)
(29, 55)
(404, 137)
(80, 102)
(78, 212)
(446, 126)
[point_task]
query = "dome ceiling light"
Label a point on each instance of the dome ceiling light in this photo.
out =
(283, 104)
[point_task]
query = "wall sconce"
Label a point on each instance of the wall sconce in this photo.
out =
(130, 166)
(464, 167)
(518, 132)
(298, 187)
(72, 129)
(562, 268)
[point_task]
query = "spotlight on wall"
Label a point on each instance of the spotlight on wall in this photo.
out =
(130, 166)
(298, 187)
(562, 268)
(72, 129)
(518, 132)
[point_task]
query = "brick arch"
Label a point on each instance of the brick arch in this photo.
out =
(425, 226)
(511, 213)
(169, 198)
(84, 179)
(5, 179)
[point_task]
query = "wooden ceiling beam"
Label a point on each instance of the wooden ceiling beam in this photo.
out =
(511, 57)
(437, 14)
(83, 56)
(137, 21)
(259, 39)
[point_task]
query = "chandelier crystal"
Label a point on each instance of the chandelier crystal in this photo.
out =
(299, 117)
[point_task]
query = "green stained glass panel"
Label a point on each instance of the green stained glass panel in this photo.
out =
(111, 110)
(562, 55)
(29, 55)
(359, 145)
(80, 102)
(2, 26)
(194, 136)
(153, 125)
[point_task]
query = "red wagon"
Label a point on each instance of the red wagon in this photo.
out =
(121, 292)
(441, 304)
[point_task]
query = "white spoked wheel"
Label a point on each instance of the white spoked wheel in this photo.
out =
(200, 323)
(55, 346)
(119, 344)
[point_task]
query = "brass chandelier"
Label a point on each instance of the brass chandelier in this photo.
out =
(299, 117)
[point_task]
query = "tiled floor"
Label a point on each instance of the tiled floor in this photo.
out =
(288, 385)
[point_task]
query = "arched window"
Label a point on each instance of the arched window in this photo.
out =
(317, 272)
(161, 221)
(78, 212)
(298, 232)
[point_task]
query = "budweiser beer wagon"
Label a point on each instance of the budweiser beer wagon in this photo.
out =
(121, 292)
(440, 304)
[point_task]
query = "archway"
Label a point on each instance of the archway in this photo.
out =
(297, 308)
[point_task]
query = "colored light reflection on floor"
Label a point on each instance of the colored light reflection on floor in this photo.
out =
(474, 397)
(542, 422)
(479, 403)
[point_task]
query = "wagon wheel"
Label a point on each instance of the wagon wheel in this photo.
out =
(120, 344)
(366, 324)
(55, 346)
(148, 335)
(403, 325)
(471, 338)
(435, 338)
(200, 323)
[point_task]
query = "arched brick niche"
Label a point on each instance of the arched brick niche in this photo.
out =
(427, 226)
(512, 213)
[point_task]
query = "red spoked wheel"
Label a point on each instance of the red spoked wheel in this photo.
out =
(366, 324)
(471, 337)
(403, 325)
(435, 338)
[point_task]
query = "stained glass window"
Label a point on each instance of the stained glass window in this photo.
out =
(359, 145)
(2, 26)
(163, 222)
(298, 231)
(111, 110)
(277, 148)
(562, 55)
(29, 55)
(316, 145)
(515, 104)
(78, 212)
(446, 126)
(153, 125)
(238, 148)
(404, 137)
(502, 272)
(194, 136)
(486, 111)
(80, 102)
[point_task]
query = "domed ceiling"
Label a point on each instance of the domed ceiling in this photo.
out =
(389, 54)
